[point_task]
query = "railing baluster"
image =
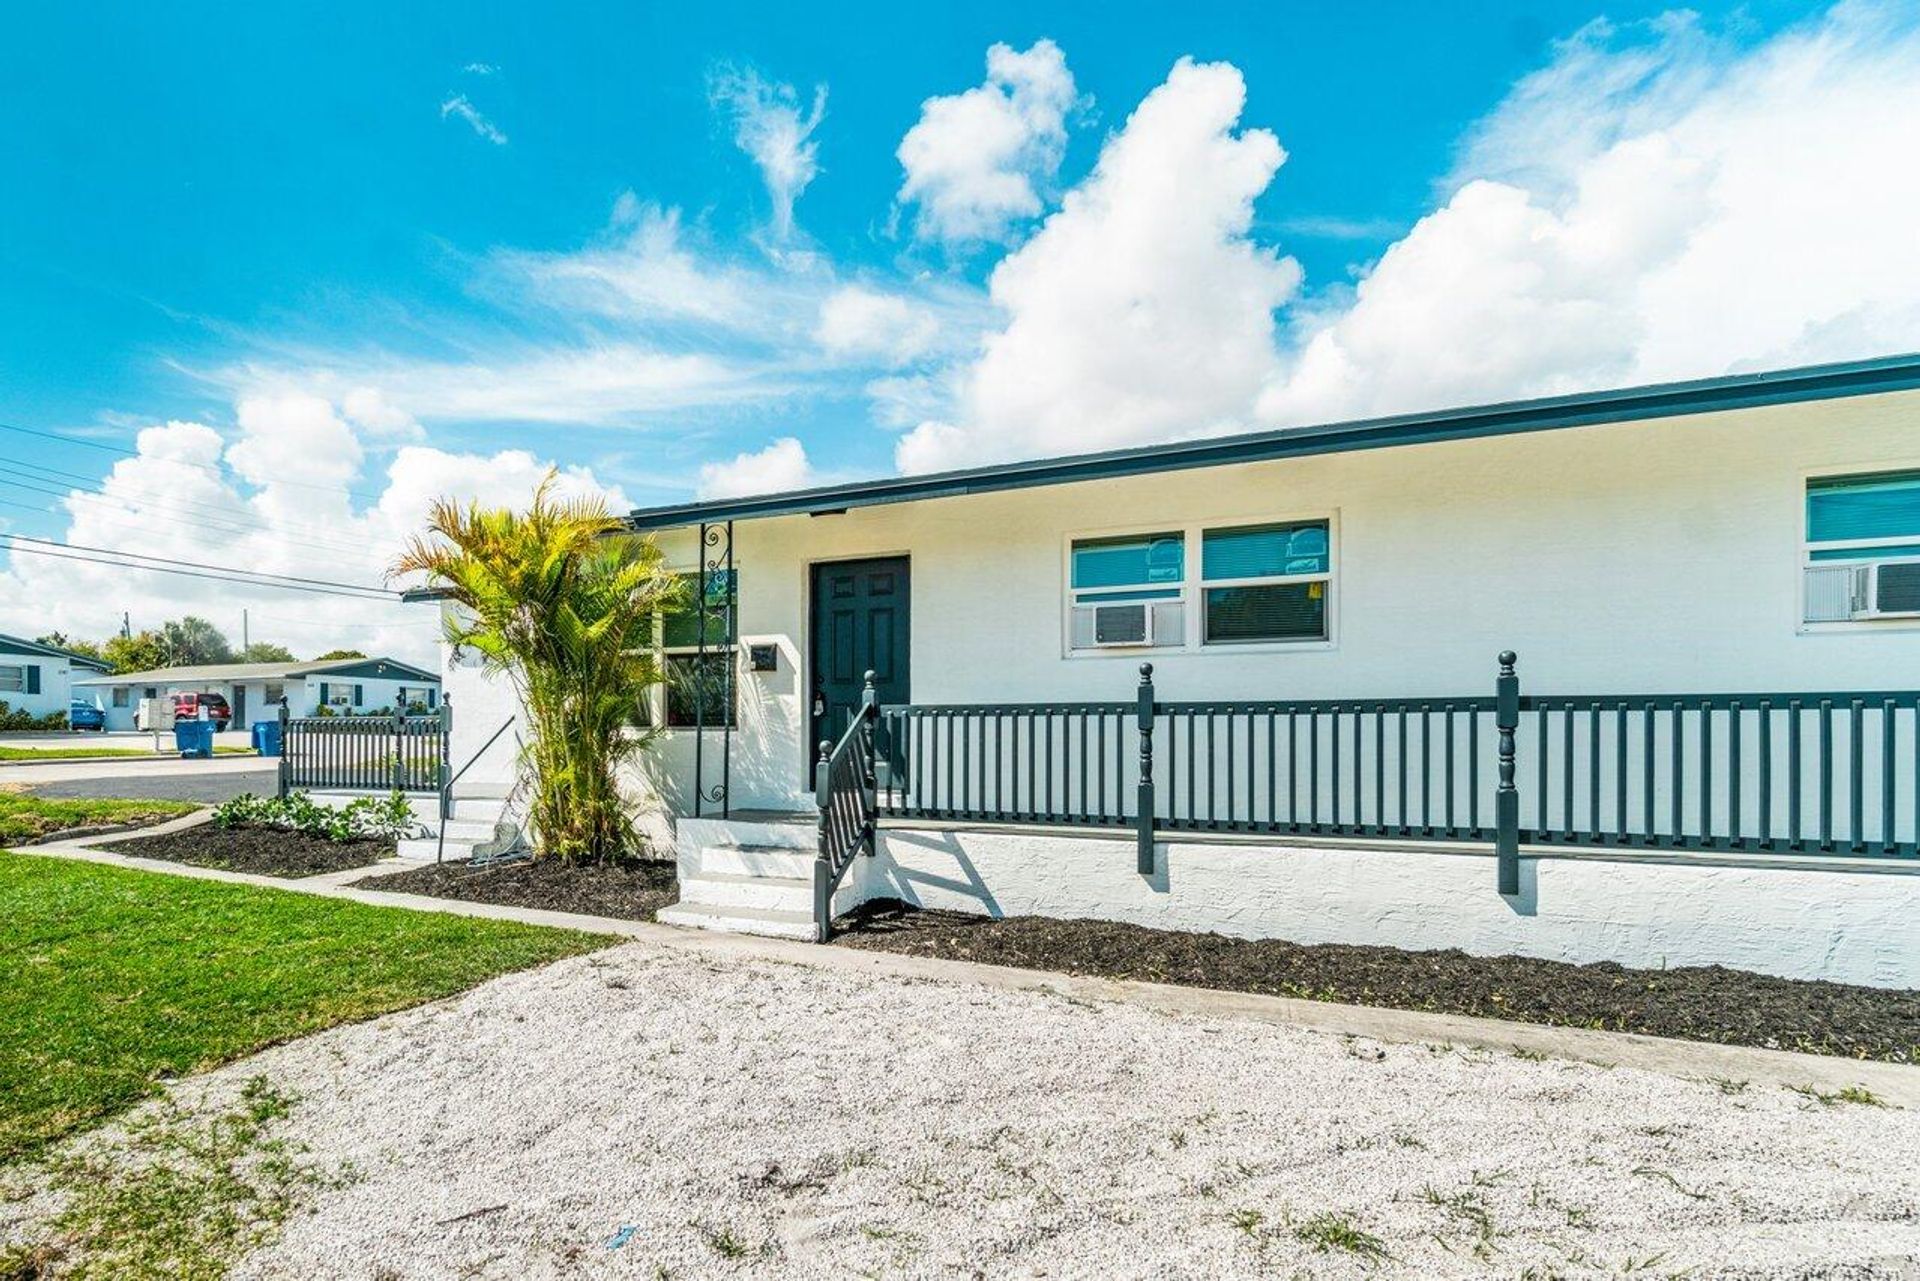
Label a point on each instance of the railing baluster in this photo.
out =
(1889, 834)
(1826, 774)
(1401, 761)
(1706, 772)
(1679, 771)
(1765, 749)
(1856, 776)
(1380, 767)
(1734, 772)
(1647, 769)
(1794, 777)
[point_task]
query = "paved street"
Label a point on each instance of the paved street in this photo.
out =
(175, 780)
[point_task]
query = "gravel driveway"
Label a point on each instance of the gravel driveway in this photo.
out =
(751, 1118)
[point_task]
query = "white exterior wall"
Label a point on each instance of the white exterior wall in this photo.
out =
(1842, 923)
(302, 694)
(1629, 558)
(56, 691)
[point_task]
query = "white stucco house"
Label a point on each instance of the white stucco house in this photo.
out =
(1713, 589)
(344, 686)
(37, 678)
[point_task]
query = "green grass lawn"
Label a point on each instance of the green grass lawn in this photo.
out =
(24, 817)
(87, 753)
(112, 979)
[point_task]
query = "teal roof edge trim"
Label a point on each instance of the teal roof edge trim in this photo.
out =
(1583, 409)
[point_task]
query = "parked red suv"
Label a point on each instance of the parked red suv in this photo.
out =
(203, 707)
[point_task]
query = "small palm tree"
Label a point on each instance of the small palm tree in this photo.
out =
(562, 602)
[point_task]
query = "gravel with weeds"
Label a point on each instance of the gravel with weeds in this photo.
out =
(650, 1111)
(1700, 1003)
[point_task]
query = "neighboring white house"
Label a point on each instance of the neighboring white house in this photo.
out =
(38, 678)
(345, 686)
(1337, 596)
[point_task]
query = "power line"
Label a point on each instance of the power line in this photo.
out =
(194, 564)
(20, 546)
(188, 573)
(202, 522)
(122, 450)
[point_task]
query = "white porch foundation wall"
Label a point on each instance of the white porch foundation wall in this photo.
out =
(1845, 924)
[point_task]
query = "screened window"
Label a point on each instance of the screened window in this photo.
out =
(13, 678)
(120, 695)
(1863, 517)
(1266, 582)
(695, 688)
(276, 691)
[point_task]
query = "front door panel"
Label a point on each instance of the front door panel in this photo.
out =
(861, 623)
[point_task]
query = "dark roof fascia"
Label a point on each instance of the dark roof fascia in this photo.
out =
(1584, 409)
(369, 669)
(17, 645)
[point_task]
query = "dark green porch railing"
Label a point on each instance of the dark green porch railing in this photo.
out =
(403, 753)
(1801, 773)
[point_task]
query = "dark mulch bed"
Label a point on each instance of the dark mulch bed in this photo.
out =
(631, 891)
(268, 851)
(1710, 1003)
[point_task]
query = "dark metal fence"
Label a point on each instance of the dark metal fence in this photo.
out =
(364, 753)
(1807, 773)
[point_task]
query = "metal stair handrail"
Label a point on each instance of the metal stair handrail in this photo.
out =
(847, 793)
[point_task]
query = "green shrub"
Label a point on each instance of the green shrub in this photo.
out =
(364, 817)
(15, 719)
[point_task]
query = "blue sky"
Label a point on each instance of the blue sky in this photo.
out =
(479, 228)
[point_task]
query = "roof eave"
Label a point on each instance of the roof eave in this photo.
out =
(1585, 409)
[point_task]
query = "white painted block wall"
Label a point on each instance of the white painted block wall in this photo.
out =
(1846, 925)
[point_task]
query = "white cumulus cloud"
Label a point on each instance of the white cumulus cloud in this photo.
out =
(782, 465)
(975, 161)
(1651, 205)
(278, 497)
(770, 125)
(1141, 310)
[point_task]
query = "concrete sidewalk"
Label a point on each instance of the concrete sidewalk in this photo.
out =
(1897, 1084)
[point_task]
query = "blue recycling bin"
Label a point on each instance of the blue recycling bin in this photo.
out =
(194, 739)
(266, 737)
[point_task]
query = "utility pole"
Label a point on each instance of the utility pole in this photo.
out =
(126, 625)
(245, 644)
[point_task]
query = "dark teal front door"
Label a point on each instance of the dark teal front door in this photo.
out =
(860, 624)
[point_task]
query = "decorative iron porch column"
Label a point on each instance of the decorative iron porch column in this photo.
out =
(715, 550)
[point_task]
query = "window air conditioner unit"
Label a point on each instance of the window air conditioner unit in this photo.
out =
(1122, 623)
(1863, 590)
(1893, 589)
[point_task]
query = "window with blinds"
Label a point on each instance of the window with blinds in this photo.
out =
(1266, 582)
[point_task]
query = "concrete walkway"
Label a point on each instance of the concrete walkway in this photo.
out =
(1898, 1084)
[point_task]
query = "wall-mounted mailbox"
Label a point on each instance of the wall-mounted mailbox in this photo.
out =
(763, 658)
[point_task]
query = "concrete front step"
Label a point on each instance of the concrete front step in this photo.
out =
(741, 920)
(699, 833)
(749, 860)
(774, 893)
(424, 849)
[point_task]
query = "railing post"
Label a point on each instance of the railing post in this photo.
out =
(869, 772)
(399, 770)
(1143, 822)
(1506, 799)
(286, 753)
(822, 868)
